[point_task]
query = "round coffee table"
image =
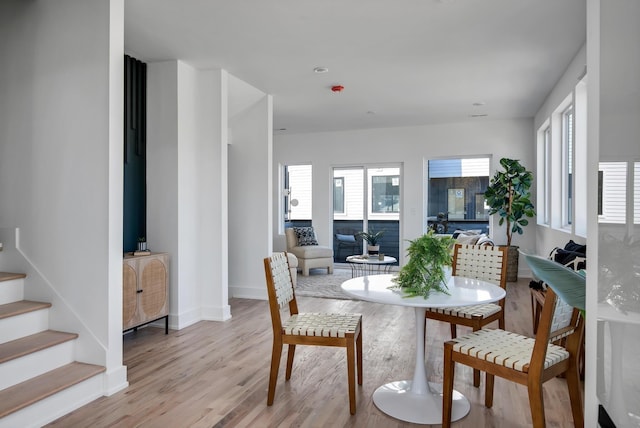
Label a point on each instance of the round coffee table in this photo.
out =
(362, 265)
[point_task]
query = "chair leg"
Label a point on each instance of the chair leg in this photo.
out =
(351, 376)
(290, 354)
(447, 385)
(359, 354)
(476, 372)
(276, 353)
(575, 396)
(533, 314)
(536, 403)
(488, 390)
(454, 331)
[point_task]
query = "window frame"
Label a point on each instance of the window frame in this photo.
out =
(568, 164)
(340, 180)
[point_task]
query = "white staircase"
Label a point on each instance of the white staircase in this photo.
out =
(39, 377)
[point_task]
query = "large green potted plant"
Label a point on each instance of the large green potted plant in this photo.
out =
(508, 195)
(373, 240)
(429, 257)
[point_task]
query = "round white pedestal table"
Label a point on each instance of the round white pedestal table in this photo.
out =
(417, 400)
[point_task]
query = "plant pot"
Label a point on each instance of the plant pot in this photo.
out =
(373, 249)
(512, 263)
(142, 246)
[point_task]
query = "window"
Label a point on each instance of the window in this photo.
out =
(456, 192)
(385, 194)
(546, 176)
(544, 151)
(338, 195)
(297, 192)
(613, 192)
(567, 177)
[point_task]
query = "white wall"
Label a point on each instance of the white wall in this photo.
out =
(250, 189)
(411, 147)
(162, 175)
(186, 185)
(61, 164)
(547, 237)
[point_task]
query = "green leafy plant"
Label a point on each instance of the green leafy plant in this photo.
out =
(508, 196)
(425, 270)
(142, 239)
(371, 237)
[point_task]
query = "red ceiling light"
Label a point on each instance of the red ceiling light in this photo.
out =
(337, 88)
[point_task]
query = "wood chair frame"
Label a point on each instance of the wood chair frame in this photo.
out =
(475, 261)
(276, 269)
(532, 373)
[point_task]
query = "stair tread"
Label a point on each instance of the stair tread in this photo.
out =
(22, 307)
(33, 343)
(28, 392)
(8, 276)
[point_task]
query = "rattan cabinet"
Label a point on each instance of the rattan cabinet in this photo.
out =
(145, 290)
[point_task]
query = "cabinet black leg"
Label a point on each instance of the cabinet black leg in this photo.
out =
(166, 324)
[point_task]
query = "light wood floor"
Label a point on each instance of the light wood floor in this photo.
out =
(214, 374)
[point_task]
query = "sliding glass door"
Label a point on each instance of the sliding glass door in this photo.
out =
(366, 198)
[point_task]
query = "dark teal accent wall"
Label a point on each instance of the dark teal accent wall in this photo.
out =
(135, 153)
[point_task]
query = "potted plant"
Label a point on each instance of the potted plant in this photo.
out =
(429, 257)
(508, 196)
(373, 239)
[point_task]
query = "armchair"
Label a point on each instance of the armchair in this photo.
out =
(310, 255)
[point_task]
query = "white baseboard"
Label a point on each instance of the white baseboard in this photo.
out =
(248, 292)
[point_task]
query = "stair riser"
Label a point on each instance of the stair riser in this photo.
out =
(11, 291)
(51, 408)
(32, 365)
(13, 328)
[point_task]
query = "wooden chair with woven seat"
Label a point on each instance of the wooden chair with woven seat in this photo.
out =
(484, 262)
(521, 359)
(321, 329)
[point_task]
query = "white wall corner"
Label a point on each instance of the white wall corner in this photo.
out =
(211, 313)
(184, 319)
(115, 380)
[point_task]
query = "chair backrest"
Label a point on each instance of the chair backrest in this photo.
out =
(292, 239)
(558, 320)
(279, 287)
(484, 262)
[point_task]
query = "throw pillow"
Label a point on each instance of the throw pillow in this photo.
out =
(306, 236)
(578, 248)
(470, 239)
(345, 238)
(485, 240)
(572, 256)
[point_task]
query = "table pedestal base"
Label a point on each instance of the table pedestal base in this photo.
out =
(396, 399)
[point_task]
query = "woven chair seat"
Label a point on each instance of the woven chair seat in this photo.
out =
(505, 348)
(325, 325)
(471, 311)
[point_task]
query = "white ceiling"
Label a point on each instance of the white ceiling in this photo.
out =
(402, 62)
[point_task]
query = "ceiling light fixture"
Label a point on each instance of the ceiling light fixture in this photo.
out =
(478, 115)
(320, 70)
(478, 103)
